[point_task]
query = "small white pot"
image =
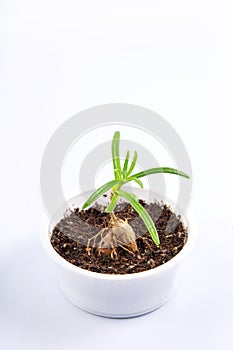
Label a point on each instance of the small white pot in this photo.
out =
(118, 296)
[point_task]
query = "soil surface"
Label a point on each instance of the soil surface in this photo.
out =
(70, 236)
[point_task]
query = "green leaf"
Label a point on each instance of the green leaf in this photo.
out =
(132, 178)
(115, 155)
(134, 196)
(125, 167)
(160, 170)
(112, 204)
(132, 164)
(143, 214)
(99, 192)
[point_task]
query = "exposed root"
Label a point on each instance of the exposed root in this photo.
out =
(127, 250)
(100, 233)
(118, 233)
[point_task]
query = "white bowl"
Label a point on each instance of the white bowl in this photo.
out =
(118, 296)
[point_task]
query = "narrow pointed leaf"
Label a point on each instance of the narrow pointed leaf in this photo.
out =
(160, 170)
(99, 192)
(132, 178)
(112, 204)
(115, 155)
(143, 214)
(125, 167)
(133, 163)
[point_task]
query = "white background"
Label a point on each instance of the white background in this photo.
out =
(60, 57)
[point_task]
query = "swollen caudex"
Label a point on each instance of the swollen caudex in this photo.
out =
(118, 234)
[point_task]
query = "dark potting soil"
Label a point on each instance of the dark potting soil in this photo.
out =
(70, 236)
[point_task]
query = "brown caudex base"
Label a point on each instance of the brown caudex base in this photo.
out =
(118, 234)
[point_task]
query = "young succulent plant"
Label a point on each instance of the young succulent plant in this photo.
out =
(119, 232)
